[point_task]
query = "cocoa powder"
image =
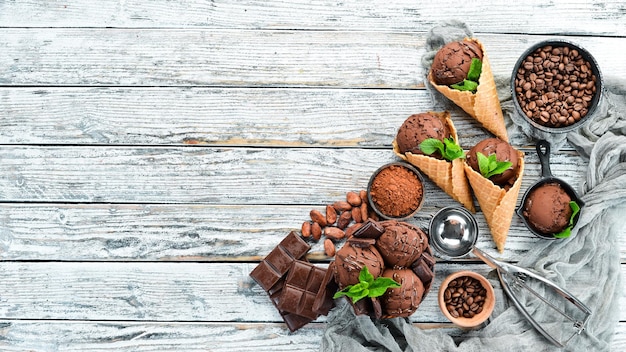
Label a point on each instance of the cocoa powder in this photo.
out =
(396, 191)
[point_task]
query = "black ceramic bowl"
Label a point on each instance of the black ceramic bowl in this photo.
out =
(593, 104)
(373, 204)
(543, 150)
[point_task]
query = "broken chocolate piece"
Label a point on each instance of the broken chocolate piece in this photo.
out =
(369, 229)
(421, 269)
(293, 321)
(276, 264)
(324, 298)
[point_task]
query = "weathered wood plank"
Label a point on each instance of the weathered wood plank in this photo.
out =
(152, 57)
(217, 116)
(203, 233)
(210, 175)
(138, 337)
(588, 18)
(185, 292)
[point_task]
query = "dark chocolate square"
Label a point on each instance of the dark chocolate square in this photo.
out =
(369, 229)
(279, 259)
(295, 245)
(265, 275)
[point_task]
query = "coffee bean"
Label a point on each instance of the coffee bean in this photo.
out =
(462, 297)
(548, 83)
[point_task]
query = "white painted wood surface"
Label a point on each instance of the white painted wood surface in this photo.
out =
(152, 152)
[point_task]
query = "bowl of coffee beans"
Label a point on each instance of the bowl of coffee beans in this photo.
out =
(556, 85)
(466, 298)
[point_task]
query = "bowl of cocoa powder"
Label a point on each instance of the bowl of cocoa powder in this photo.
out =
(556, 85)
(396, 191)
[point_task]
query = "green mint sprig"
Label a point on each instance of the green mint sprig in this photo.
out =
(471, 82)
(367, 286)
(448, 149)
(568, 230)
(490, 166)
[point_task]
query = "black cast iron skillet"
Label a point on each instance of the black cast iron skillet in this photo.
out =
(543, 151)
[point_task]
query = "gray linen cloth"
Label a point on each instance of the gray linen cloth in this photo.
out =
(587, 264)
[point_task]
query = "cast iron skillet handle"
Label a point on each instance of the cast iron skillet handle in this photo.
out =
(543, 151)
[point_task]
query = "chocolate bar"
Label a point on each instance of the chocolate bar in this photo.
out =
(302, 284)
(276, 264)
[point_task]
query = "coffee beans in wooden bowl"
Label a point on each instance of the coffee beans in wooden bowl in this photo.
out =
(466, 298)
(556, 85)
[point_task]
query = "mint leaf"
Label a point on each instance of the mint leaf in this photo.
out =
(575, 210)
(431, 145)
(449, 150)
(365, 276)
(381, 285)
(466, 85)
(568, 230)
(452, 150)
(490, 166)
(367, 287)
(475, 69)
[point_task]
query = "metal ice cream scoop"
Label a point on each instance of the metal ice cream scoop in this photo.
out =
(453, 232)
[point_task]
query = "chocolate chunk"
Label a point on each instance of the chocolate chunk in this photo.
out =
(293, 321)
(421, 269)
(276, 264)
(301, 286)
(324, 298)
(360, 242)
(369, 229)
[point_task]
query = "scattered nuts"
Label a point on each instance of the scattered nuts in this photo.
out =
(344, 219)
(331, 215)
(342, 206)
(334, 233)
(356, 214)
(329, 247)
(306, 229)
(318, 217)
(316, 231)
(353, 198)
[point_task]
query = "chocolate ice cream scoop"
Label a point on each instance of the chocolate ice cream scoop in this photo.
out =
(503, 151)
(402, 301)
(351, 258)
(547, 208)
(401, 244)
(453, 60)
(419, 127)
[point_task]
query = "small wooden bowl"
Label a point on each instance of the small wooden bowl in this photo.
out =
(490, 300)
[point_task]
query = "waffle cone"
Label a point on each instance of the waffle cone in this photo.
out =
(449, 176)
(497, 204)
(483, 105)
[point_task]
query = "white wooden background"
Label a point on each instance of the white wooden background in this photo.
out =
(152, 152)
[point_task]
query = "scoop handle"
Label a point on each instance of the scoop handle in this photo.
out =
(486, 258)
(543, 151)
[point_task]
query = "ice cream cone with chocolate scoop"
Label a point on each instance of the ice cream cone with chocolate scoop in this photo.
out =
(479, 99)
(496, 194)
(448, 175)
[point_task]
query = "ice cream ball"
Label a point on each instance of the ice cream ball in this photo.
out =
(547, 208)
(352, 257)
(453, 61)
(504, 152)
(404, 300)
(401, 244)
(419, 127)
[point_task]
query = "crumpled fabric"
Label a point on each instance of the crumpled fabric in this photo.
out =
(587, 263)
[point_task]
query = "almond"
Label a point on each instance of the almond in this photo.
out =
(306, 229)
(363, 212)
(318, 217)
(344, 219)
(316, 231)
(342, 206)
(363, 195)
(329, 248)
(334, 233)
(331, 215)
(356, 214)
(353, 198)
